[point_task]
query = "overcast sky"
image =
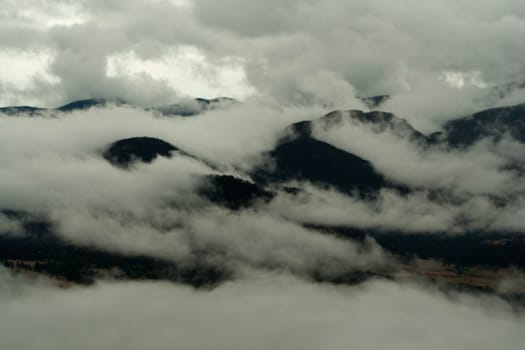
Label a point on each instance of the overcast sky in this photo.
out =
(295, 51)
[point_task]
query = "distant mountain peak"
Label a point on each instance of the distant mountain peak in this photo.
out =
(376, 121)
(28, 110)
(90, 103)
(233, 192)
(185, 108)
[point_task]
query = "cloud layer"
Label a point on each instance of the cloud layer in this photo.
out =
(153, 209)
(257, 312)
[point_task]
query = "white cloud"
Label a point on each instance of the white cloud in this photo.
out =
(20, 70)
(187, 71)
(44, 14)
(461, 79)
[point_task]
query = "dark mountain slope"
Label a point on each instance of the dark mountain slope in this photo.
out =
(489, 248)
(32, 111)
(491, 123)
(232, 192)
(44, 252)
(304, 158)
(189, 108)
(124, 152)
(82, 105)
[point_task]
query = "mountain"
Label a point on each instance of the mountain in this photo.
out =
(69, 107)
(232, 192)
(492, 123)
(301, 157)
(184, 109)
(89, 103)
(125, 152)
(21, 110)
(376, 121)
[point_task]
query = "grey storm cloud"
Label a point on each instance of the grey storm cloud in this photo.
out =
(288, 49)
(378, 47)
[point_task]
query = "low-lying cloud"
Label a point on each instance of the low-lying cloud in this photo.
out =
(257, 312)
(482, 169)
(154, 209)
